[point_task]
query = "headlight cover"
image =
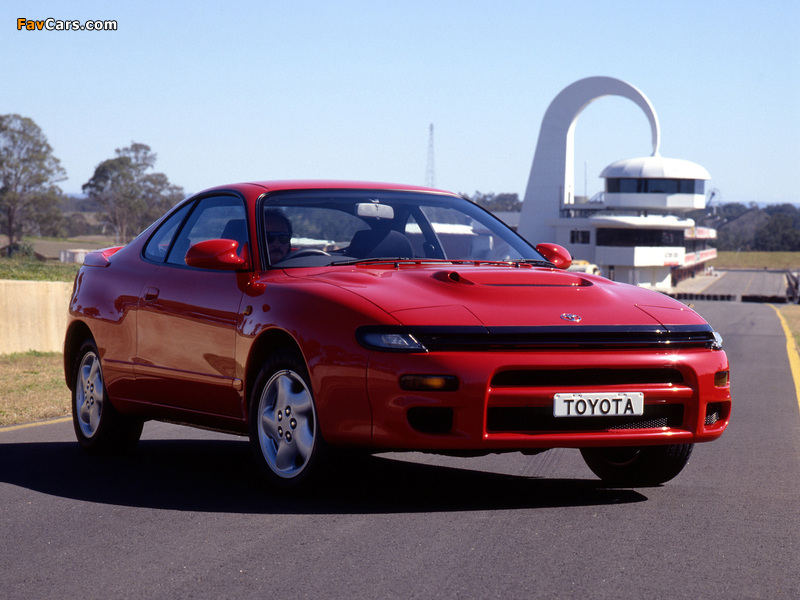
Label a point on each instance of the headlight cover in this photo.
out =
(388, 339)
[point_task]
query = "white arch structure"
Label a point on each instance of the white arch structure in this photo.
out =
(552, 179)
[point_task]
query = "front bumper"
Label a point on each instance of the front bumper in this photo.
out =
(504, 400)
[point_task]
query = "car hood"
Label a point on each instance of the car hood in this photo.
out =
(504, 296)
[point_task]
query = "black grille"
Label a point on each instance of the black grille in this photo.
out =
(572, 337)
(651, 424)
(533, 378)
(533, 419)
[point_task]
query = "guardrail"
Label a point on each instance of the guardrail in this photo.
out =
(700, 296)
(734, 298)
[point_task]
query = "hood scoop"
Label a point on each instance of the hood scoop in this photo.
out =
(513, 277)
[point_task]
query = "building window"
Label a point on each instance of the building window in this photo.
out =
(640, 237)
(577, 236)
(648, 185)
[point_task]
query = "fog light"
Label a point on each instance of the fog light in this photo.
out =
(429, 383)
(721, 378)
(713, 413)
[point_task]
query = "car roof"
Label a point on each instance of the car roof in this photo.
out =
(311, 184)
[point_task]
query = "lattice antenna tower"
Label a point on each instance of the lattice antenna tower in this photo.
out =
(430, 170)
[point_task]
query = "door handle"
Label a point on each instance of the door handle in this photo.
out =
(150, 294)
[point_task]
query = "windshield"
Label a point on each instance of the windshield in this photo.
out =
(322, 227)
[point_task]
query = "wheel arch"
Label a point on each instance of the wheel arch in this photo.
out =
(77, 333)
(266, 344)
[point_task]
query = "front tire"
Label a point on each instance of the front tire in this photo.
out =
(637, 466)
(284, 430)
(100, 429)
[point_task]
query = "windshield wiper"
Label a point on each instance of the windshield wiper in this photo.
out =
(453, 261)
(384, 259)
(537, 262)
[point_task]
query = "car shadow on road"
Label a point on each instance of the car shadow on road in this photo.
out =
(219, 476)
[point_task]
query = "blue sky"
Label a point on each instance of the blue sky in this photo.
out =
(348, 89)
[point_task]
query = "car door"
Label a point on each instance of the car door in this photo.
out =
(188, 318)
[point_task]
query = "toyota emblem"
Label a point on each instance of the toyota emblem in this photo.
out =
(571, 318)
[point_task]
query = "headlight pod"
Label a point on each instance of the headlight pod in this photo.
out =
(388, 339)
(717, 343)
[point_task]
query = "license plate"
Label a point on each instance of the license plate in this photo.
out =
(611, 404)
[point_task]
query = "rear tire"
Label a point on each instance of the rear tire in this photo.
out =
(284, 431)
(637, 466)
(100, 429)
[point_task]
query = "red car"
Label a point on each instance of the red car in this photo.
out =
(313, 316)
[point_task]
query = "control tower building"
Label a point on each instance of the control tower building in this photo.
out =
(635, 230)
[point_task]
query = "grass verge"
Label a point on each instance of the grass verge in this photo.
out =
(757, 260)
(26, 269)
(32, 387)
(791, 312)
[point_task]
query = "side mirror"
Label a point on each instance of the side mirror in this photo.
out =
(558, 255)
(217, 254)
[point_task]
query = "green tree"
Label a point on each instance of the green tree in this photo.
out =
(789, 211)
(778, 235)
(129, 196)
(497, 202)
(29, 196)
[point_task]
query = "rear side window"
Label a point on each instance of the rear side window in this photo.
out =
(158, 246)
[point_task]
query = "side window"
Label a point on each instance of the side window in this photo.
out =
(156, 249)
(213, 218)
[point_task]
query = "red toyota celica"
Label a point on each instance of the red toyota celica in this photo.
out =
(313, 316)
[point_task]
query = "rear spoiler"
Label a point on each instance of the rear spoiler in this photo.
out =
(99, 258)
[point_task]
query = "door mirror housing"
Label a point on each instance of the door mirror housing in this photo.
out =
(219, 255)
(558, 255)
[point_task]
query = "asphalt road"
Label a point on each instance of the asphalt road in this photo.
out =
(749, 283)
(184, 517)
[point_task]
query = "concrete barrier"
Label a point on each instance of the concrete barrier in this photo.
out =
(691, 296)
(33, 315)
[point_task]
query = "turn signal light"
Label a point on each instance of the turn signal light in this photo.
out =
(721, 378)
(429, 383)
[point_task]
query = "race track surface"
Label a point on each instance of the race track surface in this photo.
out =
(185, 517)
